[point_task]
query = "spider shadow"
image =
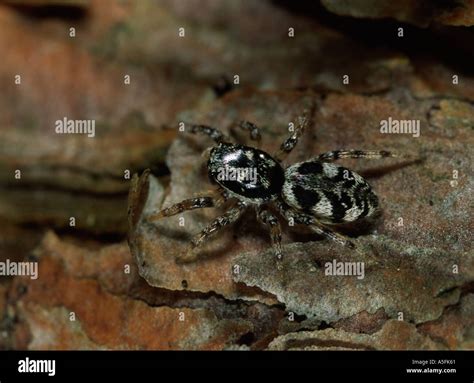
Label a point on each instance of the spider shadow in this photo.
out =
(171, 233)
(215, 253)
(184, 237)
(380, 171)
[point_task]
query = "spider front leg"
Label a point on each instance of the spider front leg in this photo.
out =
(190, 204)
(252, 129)
(213, 133)
(271, 222)
(338, 154)
(219, 223)
(289, 144)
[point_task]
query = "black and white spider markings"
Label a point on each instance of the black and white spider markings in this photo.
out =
(315, 193)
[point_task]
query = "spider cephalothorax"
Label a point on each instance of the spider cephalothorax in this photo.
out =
(316, 192)
(247, 173)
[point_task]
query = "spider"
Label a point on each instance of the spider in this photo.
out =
(316, 193)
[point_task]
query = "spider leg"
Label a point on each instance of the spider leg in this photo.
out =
(213, 133)
(337, 154)
(289, 144)
(316, 226)
(190, 204)
(321, 229)
(219, 223)
(271, 222)
(252, 129)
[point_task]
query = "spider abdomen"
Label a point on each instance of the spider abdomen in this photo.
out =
(249, 173)
(330, 192)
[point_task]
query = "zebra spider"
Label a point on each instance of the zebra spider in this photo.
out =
(316, 193)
